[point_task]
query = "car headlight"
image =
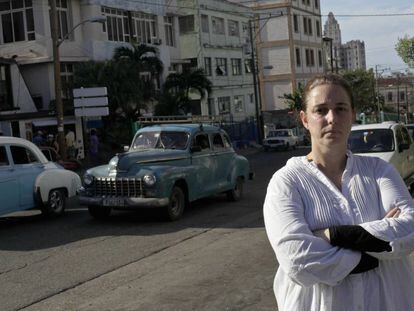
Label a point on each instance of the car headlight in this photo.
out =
(88, 179)
(149, 179)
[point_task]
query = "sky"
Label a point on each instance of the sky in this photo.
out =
(379, 33)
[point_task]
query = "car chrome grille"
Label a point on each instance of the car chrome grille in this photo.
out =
(118, 187)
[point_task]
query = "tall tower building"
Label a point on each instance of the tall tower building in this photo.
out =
(333, 31)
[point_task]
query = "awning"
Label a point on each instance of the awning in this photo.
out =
(51, 122)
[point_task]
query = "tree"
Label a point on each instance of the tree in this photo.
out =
(362, 84)
(405, 49)
(294, 100)
(178, 87)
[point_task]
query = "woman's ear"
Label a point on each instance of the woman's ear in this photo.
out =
(304, 119)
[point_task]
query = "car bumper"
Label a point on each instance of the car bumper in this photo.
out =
(124, 202)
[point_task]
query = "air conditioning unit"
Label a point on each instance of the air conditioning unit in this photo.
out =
(156, 41)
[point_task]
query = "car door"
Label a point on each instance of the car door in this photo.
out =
(407, 154)
(9, 190)
(223, 154)
(26, 167)
(205, 166)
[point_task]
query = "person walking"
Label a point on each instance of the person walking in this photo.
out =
(341, 225)
(70, 144)
(93, 148)
(52, 143)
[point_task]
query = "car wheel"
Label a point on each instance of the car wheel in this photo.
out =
(176, 204)
(99, 212)
(236, 193)
(56, 203)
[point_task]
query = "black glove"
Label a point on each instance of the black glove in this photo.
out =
(366, 263)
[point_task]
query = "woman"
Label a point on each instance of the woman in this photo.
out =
(342, 226)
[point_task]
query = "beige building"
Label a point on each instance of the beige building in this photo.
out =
(214, 36)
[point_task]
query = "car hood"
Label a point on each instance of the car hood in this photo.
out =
(386, 156)
(149, 157)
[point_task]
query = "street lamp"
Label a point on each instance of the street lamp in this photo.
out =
(56, 62)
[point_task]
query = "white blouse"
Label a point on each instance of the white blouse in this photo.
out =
(312, 274)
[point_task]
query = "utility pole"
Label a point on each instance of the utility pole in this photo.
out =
(58, 81)
(255, 86)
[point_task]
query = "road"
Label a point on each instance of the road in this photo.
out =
(216, 258)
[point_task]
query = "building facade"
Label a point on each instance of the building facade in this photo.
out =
(25, 37)
(214, 36)
(347, 56)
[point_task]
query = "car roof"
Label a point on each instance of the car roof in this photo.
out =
(23, 142)
(383, 125)
(180, 128)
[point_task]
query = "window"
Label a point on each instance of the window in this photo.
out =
(66, 74)
(186, 23)
(218, 141)
(320, 58)
(389, 96)
(295, 23)
(17, 22)
(117, 25)
(238, 103)
(22, 155)
(221, 66)
(310, 26)
(298, 62)
(224, 104)
(233, 27)
(218, 25)
(144, 27)
(4, 161)
(204, 24)
(202, 141)
(316, 4)
(6, 98)
(62, 14)
(318, 29)
(402, 96)
(248, 65)
(207, 66)
(169, 30)
(312, 57)
(307, 57)
(305, 25)
(236, 66)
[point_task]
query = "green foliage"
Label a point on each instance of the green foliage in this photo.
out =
(405, 49)
(294, 100)
(177, 88)
(362, 83)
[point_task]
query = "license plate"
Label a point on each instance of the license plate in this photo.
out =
(113, 202)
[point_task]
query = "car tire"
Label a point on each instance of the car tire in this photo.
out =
(55, 204)
(99, 212)
(236, 193)
(176, 205)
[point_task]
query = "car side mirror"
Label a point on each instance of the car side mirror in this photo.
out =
(195, 149)
(402, 147)
(126, 148)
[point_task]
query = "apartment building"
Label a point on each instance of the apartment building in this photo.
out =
(347, 56)
(25, 37)
(288, 37)
(214, 36)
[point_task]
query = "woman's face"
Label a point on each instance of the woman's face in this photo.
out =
(328, 116)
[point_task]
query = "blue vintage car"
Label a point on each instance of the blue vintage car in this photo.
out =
(28, 180)
(167, 166)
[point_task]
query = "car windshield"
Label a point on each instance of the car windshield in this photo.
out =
(278, 134)
(371, 140)
(163, 140)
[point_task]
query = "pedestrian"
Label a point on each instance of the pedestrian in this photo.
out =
(70, 144)
(341, 225)
(38, 139)
(52, 143)
(93, 147)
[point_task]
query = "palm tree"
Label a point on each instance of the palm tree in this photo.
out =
(180, 85)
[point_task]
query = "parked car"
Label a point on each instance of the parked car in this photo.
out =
(167, 166)
(389, 141)
(51, 154)
(29, 180)
(280, 139)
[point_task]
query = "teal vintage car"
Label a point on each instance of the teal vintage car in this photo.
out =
(167, 166)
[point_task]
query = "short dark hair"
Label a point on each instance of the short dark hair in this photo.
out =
(323, 79)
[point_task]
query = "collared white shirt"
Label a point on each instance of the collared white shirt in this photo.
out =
(312, 274)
